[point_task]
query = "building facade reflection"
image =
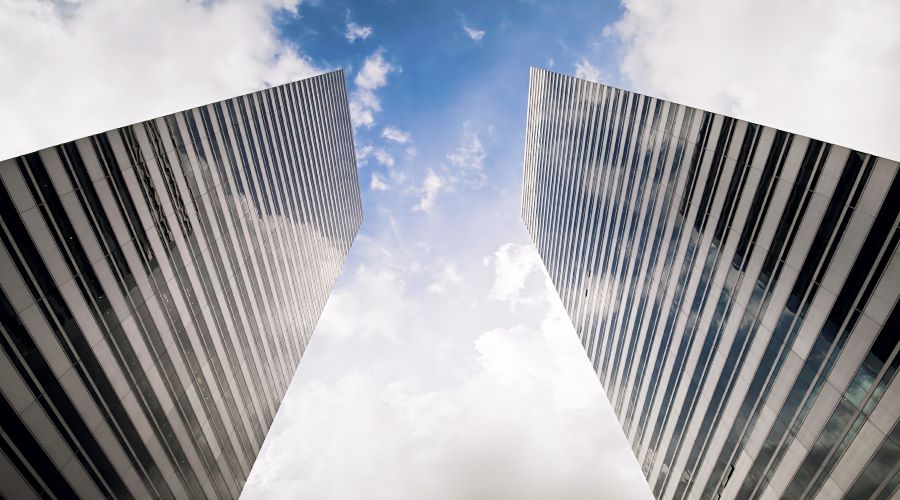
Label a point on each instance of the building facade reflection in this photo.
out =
(734, 286)
(160, 283)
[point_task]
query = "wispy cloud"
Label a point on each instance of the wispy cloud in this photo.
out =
(467, 159)
(364, 103)
(378, 184)
(365, 152)
(383, 157)
(471, 32)
(431, 186)
(464, 167)
(395, 135)
(448, 279)
(357, 32)
(587, 71)
(474, 34)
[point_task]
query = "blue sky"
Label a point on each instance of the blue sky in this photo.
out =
(442, 78)
(443, 366)
(443, 317)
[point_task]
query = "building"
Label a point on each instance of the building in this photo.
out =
(159, 284)
(735, 287)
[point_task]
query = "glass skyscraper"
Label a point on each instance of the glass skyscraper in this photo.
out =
(735, 287)
(159, 284)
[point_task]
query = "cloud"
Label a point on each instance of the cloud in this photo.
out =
(470, 31)
(374, 72)
(123, 62)
(364, 103)
(397, 176)
(431, 186)
(378, 184)
(395, 135)
(363, 153)
(355, 31)
(383, 157)
(448, 280)
(360, 321)
(525, 419)
(363, 106)
(587, 71)
(467, 159)
(474, 34)
(820, 68)
(514, 264)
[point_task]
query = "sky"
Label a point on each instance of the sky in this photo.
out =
(443, 365)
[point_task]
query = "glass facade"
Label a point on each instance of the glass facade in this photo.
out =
(734, 286)
(160, 283)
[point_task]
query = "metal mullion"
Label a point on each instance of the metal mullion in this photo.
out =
(221, 344)
(263, 236)
(271, 237)
(288, 251)
(316, 176)
(239, 321)
(595, 221)
(574, 191)
(555, 182)
(247, 222)
(300, 261)
(313, 203)
(279, 237)
(563, 184)
(229, 229)
(586, 205)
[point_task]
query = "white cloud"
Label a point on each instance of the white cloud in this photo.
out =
(374, 72)
(395, 135)
(397, 176)
(431, 186)
(357, 318)
(410, 152)
(468, 158)
(474, 34)
(367, 151)
(514, 264)
(363, 152)
(70, 70)
(356, 32)
(587, 71)
(828, 69)
(364, 103)
(363, 106)
(383, 157)
(521, 416)
(448, 279)
(378, 184)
